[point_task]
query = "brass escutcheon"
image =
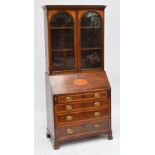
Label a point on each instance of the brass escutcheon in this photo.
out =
(97, 114)
(68, 98)
(97, 104)
(69, 107)
(97, 95)
(69, 118)
(70, 131)
(97, 126)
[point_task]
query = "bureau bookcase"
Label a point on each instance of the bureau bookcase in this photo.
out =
(78, 93)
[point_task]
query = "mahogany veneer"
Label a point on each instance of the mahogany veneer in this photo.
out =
(78, 93)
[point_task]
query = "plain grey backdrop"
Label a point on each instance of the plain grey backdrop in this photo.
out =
(91, 146)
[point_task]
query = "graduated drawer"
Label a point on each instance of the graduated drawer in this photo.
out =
(70, 131)
(82, 116)
(83, 96)
(73, 106)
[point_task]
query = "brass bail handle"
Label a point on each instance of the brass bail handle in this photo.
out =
(69, 118)
(70, 131)
(97, 114)
(68, 98)
(97, 95)
(97, 104)
(97, 126)
(69, 107)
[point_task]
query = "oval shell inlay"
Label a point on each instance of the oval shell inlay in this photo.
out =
(80, 82)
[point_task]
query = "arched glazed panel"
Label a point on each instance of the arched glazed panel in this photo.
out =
(91, 19)
(62, 19)
(62, 41)
(91, 40)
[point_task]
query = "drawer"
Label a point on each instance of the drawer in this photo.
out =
(82, 116)
(83, 96)
(71, 131)
(83, 105)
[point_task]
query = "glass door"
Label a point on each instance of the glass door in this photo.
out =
(91, 50)
(62, 42)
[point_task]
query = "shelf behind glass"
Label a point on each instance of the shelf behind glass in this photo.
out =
(62, 39)
(91, 59)
(59, 28)
(63, 60)
(90, 38)
(89, 27)
(90, 49)
(62, 50)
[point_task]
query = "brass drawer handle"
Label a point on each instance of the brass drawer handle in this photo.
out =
(70, 131)
(97, 95)
(97, 126)
(68, 98)
(97, 114)
(97, 104)
(69, 118)
(69, 107)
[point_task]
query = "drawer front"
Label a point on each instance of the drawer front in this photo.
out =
(82, 116)
(73, 106)
(84, 96)
(82, 129)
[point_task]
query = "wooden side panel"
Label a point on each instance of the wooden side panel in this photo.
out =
(49, 107)
(46, 41)
(109, 96)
